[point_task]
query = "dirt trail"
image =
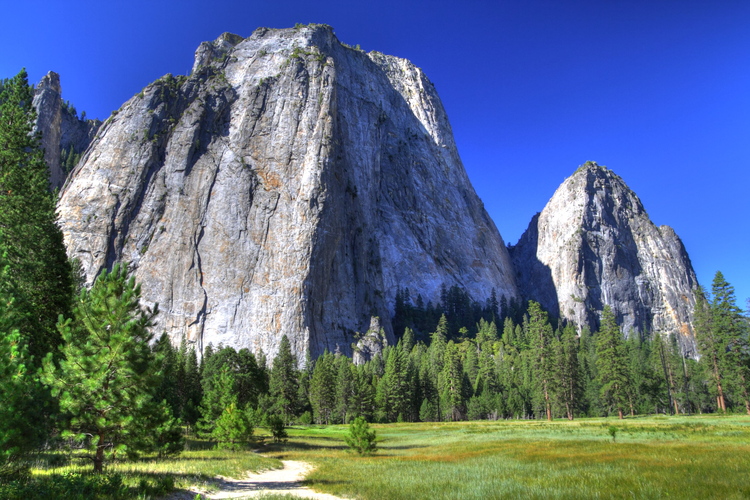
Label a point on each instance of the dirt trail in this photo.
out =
(279, 481)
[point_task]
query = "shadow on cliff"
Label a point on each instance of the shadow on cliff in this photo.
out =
(534, 278)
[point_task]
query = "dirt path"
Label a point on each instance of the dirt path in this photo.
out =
(280, 481)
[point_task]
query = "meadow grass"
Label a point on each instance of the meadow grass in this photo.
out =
(652, 457)
(198, 466)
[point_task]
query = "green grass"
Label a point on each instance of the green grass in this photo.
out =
(145, 478)
(653, 457)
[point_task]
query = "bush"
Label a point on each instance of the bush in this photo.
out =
(277, 428)
(361, 439)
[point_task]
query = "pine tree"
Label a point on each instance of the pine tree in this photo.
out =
(193, 392)
(33, 244)
(232, 427)
(611, 362)
(323, 388)
(22, 416)
(362, 401)
(283, 381)
(453, 385)
(565, 371)
(345, 387)
(712, 345)
(395, 395)
(360, 438)
(107, 373)
(539, 333)
(731, 326)
(250, 381)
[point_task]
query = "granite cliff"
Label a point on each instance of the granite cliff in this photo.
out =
(594, 245)
(289, 185)
(63, 132)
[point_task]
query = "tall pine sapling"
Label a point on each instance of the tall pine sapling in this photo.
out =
(106, 376)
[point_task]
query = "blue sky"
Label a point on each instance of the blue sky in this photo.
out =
(659, 91)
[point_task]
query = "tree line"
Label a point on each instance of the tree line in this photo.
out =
(526, 370)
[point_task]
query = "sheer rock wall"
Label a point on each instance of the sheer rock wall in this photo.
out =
(289, 185)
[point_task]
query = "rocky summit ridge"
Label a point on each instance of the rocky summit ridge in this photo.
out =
(289, 185)
(595, 245)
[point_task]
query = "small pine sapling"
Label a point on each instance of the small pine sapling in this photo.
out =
(361, 439)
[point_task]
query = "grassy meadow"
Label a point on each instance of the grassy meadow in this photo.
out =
(652, 457)
(57, 475)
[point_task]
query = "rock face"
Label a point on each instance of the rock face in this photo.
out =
(289, 185)
(48, 105)
(594, 245)
(60, 127)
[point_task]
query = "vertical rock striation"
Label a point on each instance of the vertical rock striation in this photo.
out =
(289, 185)
(594, 245)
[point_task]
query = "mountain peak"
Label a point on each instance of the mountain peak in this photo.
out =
(594, 245)
(291, 185)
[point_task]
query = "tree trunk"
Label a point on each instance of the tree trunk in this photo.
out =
(619, 411)
(720, 398)
(99, 456)
(667, 378)
(686, 386)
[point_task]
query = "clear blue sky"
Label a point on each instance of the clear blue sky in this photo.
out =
(659, 91)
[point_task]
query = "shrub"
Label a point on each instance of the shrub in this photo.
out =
(277, 428)
(612, 432)
(361, 439)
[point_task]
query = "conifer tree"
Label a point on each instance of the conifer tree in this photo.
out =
(712, 345)
(22, 419)
(395, 395)
(107, 373)
(232, 427)
(345, 387)
(566, 371)
(730, 324)
(192, 391)
(539, 333)
(453, 384)
(362, 401)
(283, 381)
(33, 244)
(323, 388)
(611, 362)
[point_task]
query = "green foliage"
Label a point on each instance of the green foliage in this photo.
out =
(284, 382)
(611, 363)
(107, 373)
(722, 338)
(323, 389)
(278, 429)
(39, 270)
(612, 430)
(360, 438)
(233, 429)
(22, 402)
